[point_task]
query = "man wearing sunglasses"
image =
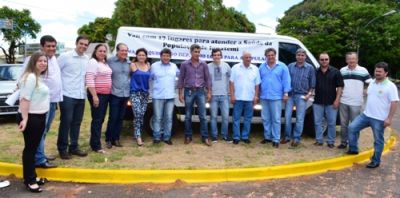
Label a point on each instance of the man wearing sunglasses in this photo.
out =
(328, 89)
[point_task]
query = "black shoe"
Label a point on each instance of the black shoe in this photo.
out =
(228, 140)
(169, 142)
(247, 141)
(294, 145)
(275, 144)
(51, 157)
(47, 164)
(108, 145)
(41, 181)
(352, 152)
(342, 146)
(372, 165)
(78, 152)
(34, 190)
(65, 156)
(156, 141)
(318, 144)
(116, 143)
(264, 141)
(235, 141)
(331, 145)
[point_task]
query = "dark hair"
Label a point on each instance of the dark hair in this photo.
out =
(95, 50)
(215, 50)
(269, 50)
(81, 37)
(140, 50)
(165, 51)
(382, 65)
(194, 46)
(47, 38)
(119, 46)
(31, 66)
(351, 53)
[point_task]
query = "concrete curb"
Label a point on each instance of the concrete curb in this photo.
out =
(196, 176)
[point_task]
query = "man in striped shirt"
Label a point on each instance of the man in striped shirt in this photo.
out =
(352, 99)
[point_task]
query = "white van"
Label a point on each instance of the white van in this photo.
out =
(232, 45)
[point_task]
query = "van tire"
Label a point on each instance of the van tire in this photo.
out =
(148, 119)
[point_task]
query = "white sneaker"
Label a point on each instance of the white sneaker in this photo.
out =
(4, 183)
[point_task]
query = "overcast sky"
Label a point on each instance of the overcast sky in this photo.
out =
(62, 18)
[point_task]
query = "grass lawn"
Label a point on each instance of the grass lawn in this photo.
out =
(177, 156)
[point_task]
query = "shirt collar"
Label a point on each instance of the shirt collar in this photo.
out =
(384, 82)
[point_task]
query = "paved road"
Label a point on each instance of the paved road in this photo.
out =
(353, 182)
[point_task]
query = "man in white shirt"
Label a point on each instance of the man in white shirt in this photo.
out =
(53, 81)
(244, 88)
(378, 114)
(354, 77)
(73, 69)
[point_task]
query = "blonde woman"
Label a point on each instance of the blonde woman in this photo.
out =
(34, 104)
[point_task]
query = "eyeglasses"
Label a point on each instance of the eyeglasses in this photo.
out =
(323, 59)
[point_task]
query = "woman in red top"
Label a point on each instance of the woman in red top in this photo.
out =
(98, 82)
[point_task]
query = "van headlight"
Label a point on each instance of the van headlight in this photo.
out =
(207, 105)
(129, 103)
(257, 107)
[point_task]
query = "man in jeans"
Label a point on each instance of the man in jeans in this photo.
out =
(244, 87)
(378, 114)
(53, 80)
(302, 75)
(220, 73)
(120, 67)
(73, 69)
(328, 89)
(355, 77)
(274, 89)
(163, 74)
(193, 81)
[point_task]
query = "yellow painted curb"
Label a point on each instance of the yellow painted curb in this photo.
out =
(196, 176)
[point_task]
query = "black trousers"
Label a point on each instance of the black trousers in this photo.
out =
(32, 135)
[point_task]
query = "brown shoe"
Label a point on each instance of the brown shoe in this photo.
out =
(207, 142)
(188, 140)
(285, 141)
(116, 143)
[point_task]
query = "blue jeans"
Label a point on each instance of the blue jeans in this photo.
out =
(162, 111)
(198, 96)
(271, 117)
(361, 122)
(301, 105)
(115, 117)
(98, 114)
(71, 116)
(40, 156)
(221, 102)
(245, 107)
(327, 111)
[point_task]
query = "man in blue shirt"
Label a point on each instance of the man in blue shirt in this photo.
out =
(163, 74)
(275, 85)
(120, 67)
(302, 77)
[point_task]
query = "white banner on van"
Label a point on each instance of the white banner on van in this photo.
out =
(179, 41)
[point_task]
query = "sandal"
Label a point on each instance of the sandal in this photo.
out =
(41, 181)
(139, 141)
(31, 188)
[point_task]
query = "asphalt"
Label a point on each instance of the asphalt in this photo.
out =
(356, 181)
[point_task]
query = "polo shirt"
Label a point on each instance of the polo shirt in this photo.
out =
(380, 95)
(354, 85)
(326, 84)
(244, 80)
(120, 76)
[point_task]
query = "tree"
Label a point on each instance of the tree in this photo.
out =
(337, 26)
(97, 30)
(178, 14)
(24, 25)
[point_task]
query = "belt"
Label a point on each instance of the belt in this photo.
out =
(194, 88)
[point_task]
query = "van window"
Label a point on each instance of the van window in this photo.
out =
(287, 53)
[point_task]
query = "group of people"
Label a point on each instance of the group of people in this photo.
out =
(111, 81)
